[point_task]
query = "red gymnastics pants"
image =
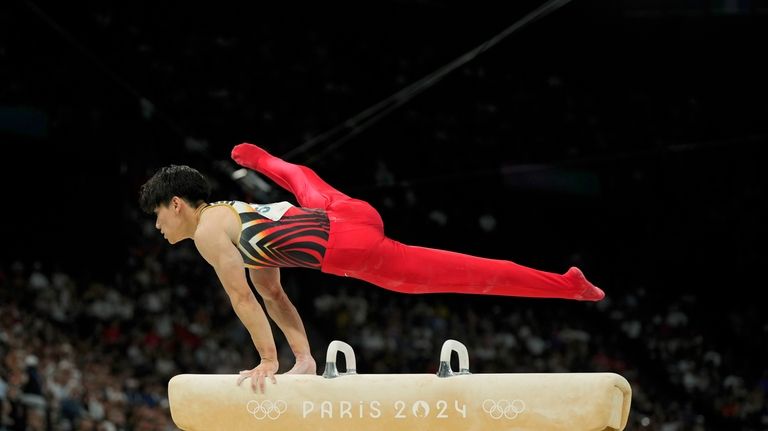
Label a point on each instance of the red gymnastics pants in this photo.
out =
(357, 246)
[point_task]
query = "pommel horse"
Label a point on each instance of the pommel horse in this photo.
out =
(447, 401)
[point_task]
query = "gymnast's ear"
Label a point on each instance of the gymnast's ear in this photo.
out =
(176, 204)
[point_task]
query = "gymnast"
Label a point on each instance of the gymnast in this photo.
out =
(329, 231)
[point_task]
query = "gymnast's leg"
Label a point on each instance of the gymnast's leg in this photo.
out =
(409, 269)
(310, 190)
(361, 250)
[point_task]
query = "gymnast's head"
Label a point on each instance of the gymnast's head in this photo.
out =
(173, 194)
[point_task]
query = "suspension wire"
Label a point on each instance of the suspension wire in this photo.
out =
(354, 125)
(363, 120)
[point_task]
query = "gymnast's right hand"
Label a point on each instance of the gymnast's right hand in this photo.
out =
(265, 370)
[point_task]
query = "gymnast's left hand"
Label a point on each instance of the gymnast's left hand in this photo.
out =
(265, 370)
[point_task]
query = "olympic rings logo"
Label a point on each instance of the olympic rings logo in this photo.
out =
(266, 409)
(503, 408)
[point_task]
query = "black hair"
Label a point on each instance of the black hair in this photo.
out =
(174, 180)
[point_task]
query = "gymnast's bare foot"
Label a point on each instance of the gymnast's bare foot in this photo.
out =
(304, 365)
(588, 291)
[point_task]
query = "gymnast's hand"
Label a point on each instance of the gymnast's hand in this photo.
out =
(305, 364)
(266, 369)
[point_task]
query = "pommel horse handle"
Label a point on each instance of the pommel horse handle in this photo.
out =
(450, 346)
(331, 371)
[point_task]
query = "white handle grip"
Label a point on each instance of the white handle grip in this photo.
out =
(450, 346)
(330, 359)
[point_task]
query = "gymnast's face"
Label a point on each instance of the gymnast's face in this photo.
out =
(169, 220)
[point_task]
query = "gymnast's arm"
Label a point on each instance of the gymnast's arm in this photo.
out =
(217, 249)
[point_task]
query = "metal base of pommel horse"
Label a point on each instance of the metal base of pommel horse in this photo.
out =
(448, 401)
